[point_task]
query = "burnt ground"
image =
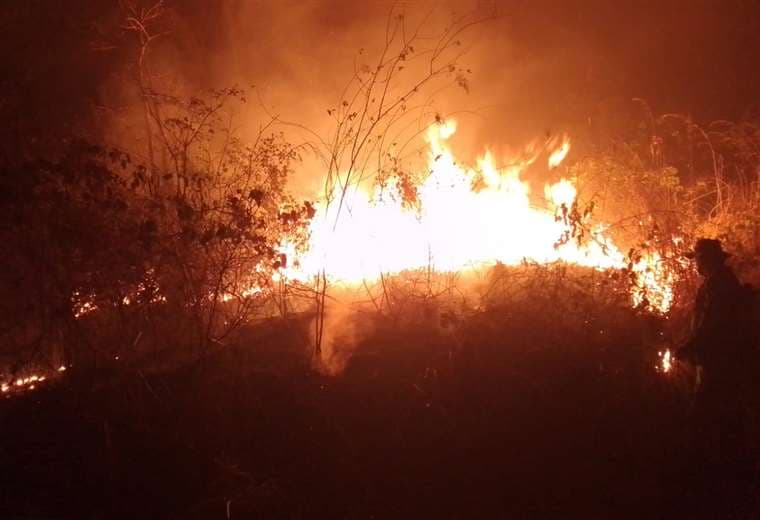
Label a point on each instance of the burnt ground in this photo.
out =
(415, 427)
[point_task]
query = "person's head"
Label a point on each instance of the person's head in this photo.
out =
(709, 255)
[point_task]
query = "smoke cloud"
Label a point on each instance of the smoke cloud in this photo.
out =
(538, 68)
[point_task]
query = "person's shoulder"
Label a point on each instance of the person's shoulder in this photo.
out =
(723, 281)
(727, 276)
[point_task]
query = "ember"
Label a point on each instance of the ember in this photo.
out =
(22, 383)
(666, 361)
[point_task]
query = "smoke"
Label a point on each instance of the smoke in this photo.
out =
(352, 316)
(538, 68)
(342, 335)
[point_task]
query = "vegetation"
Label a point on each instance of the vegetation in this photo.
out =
(174, 257)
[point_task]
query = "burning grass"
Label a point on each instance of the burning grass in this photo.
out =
(482, 347)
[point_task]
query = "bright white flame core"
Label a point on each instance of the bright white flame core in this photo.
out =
(558, 155)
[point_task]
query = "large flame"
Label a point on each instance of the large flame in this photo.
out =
(464, 218)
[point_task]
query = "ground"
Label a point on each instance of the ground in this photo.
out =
(418, 425)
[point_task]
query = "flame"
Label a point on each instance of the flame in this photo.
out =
(654, 283)
(463, 218)
(561, 193)
(558, 155)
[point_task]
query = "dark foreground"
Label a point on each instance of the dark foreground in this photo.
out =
(419, 425)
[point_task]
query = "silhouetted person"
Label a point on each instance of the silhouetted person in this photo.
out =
(720, 345)
(719, 336)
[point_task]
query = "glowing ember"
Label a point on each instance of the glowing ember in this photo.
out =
(22, 383)
(666, 361)
(462, 218)
(83, 305)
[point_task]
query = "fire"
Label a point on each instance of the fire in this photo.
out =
(463, 218)
(558, 155)
(561, 193)
(655, 283)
